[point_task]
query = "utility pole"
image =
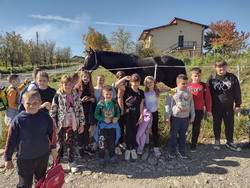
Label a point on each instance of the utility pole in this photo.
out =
(37, 54)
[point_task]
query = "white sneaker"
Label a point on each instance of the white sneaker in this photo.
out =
(118, 151)
(157, 151)
(133, 154)
(127, 155)
(139, 152)
(216, 145)
(73, 167)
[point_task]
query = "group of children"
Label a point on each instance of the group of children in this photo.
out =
(78, 110)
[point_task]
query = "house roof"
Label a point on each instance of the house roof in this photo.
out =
(146, 32)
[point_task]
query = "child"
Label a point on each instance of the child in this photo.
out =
(33, 133)
(202, 98)
(12, 96)
(67, 112)
(75, 78)
(225, 91)
(179, 106)
(47, 93)
(33, 85)
(100, 80)
(108, 114)
(151, 103)
(85, 90)
(133, 106)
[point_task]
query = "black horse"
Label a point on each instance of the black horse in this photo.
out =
(131, 64)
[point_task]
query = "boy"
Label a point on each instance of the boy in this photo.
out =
(179, 106)
(225, 91)
(202, 98)
(12, 97)
(108, 130)
(34, 133)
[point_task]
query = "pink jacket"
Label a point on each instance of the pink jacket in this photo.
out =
(142, 136)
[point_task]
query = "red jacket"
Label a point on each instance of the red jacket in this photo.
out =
(196, 90)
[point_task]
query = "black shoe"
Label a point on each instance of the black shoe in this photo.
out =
(81, 152)
(89, 151)
(193, 148)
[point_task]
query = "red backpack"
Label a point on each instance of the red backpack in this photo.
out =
(54, 177)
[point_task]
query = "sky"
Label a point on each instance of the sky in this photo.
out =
(64, 21)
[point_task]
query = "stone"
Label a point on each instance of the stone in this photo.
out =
(152, 161)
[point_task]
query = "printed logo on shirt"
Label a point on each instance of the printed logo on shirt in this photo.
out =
(182, 102)
(221, 85)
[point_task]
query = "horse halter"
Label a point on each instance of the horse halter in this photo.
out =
(96, 62)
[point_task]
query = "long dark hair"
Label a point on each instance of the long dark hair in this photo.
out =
(81, 86)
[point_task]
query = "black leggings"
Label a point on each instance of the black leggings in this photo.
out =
(155, 128)
(227, 115)
(131, 118)
(107, 141)
(197, 125)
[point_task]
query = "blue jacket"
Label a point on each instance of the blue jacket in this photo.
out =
(33, 135)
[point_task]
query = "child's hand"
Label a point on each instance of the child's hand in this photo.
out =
(85, 99)
(26, 81)
(167, 120)
(92, 100)
(107, 120)
(122, 112)
(209, 114)
(81, 129)
(128, 78)
(47, 105)
(92, 130)
(237, 110)
(114, 120)
(140, 120)
(54, 154)
(9, 165)
(191, 120)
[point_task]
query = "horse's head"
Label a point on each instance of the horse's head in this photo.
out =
(90, 62)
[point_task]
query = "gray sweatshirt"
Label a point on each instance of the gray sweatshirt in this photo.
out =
(179, 103)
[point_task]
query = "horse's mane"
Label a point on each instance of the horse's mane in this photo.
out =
(116, 54)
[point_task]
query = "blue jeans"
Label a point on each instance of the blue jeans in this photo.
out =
(178, 126)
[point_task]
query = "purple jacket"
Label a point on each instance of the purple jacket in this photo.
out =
(142, 136)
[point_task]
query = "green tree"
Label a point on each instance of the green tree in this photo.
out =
(121, 41)
(95, 40)
(224, 38)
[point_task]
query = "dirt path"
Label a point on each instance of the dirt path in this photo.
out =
(205, 168)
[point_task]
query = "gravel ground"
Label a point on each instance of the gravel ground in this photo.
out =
(204, 168)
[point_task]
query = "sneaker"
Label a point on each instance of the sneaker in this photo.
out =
(139, 152)
(157, 151)
(193, 148)
(89, 151)
(81, 152)
(127, 155)
(182, 154)
(122, 146)
(171, 155)
(101, 161)
(133, 154)
(73, 167)
(233, 146)
(95, 146)
(113, 160)
(216, 145)
(118, 151)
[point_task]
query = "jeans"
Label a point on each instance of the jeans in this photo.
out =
(107, 140)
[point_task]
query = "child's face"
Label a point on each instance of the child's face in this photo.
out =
(42, 82)
(150, 84)
(100, 81)
(135, 83)
(67, 87)
(196, 77)
(107, 95)
(221, 70)
(32, 105)
(85, 78)
(16, 82)
(182, 84)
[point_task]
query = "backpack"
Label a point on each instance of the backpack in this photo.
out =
(54, 177)
(3, 97)
(20, 101)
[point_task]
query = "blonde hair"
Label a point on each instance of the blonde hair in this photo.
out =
(155, 86)
(42, 74)
(65, 79)
(31, 94)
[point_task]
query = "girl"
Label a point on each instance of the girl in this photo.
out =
(151, 103)
(85, 90)
(100, 80)
(67, 112)
(47, 93)
(133, 108)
